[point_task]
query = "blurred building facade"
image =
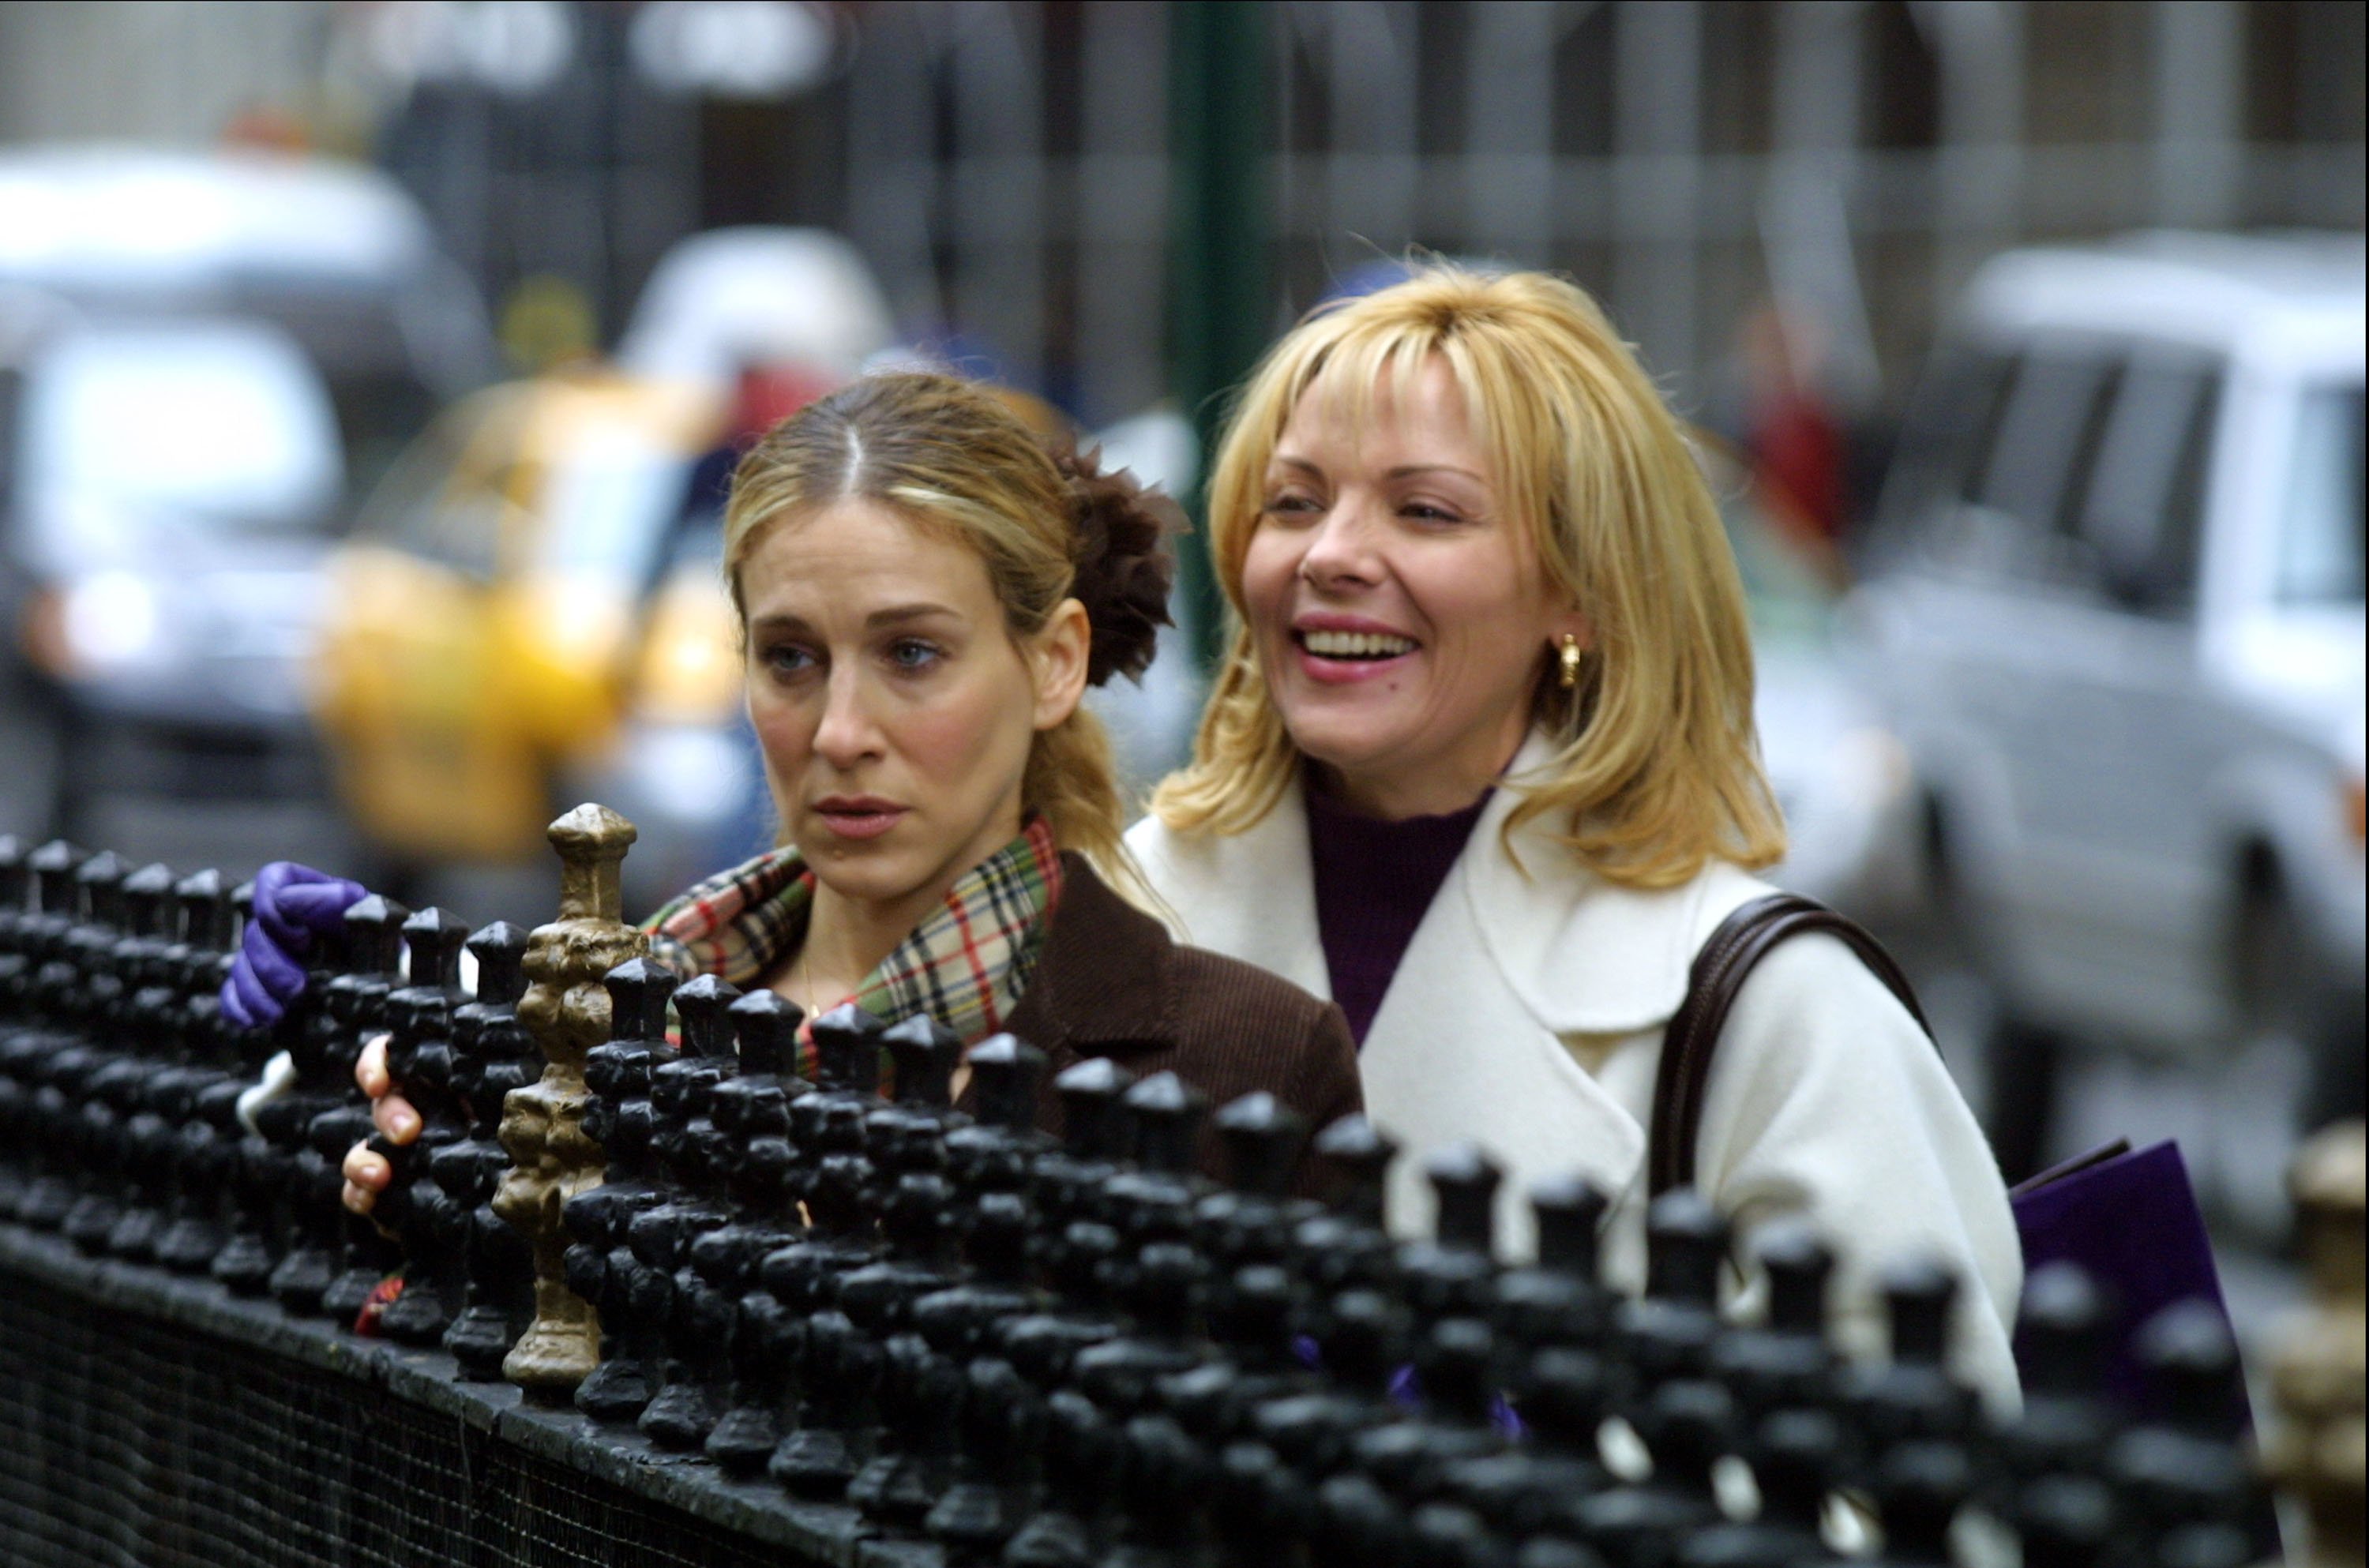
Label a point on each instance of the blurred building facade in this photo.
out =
(1008, 166)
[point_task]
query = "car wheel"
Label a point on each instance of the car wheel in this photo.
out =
(2007, 1067)
(2026, 1067)
(2336, 1091)
(2276, 992)
(2282, 993)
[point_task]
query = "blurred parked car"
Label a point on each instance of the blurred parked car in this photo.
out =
(681, 763)
(485, 616)
(2119, 624)
(170, 484)
(202, 356)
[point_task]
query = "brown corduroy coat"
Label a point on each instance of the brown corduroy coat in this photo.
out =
(1113, 983)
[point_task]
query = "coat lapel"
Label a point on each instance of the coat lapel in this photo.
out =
(1468, 1043)
(1583, 954)
(1454, 1053)
(1511, 958)
(1101, 987)
(1251, 896)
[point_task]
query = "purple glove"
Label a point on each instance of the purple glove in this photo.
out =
(292, 905)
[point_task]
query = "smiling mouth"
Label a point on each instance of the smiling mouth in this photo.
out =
(1356, 646)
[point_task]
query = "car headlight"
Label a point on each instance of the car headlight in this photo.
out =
(101, 625)
(113, 621)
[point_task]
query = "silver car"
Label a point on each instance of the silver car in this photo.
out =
(202, 358)
(2116, 618)
(172, 482)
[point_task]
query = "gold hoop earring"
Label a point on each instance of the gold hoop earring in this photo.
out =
(1567, 659)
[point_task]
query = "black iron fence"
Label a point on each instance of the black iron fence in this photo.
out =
(811, 1324)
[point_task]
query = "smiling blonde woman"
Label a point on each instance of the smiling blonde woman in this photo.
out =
(1481, 766)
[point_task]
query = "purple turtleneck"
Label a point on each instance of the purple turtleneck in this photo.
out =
(1374, 880)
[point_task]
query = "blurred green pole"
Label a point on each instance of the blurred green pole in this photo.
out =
(1219, 307)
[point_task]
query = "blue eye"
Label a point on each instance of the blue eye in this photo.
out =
(911, 654)
(786, 658)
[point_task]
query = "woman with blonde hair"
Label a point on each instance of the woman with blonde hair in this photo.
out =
(1479, 765)
(925, 592)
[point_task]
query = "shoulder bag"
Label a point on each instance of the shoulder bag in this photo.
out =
(2129, 1217)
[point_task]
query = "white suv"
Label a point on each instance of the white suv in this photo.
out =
(2116, 614)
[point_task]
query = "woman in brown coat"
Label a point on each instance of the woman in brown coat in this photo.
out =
(924, 593)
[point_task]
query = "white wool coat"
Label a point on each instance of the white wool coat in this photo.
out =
(1528, 1014)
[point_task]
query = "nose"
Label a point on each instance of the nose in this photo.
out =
(1342, 550)
(846, 733)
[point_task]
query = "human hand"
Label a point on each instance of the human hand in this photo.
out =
(367, 1173)
(293, 905)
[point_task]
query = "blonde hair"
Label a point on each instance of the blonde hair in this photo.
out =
(1657, 767)
(950, 456)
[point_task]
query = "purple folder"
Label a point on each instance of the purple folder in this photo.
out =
(2130, 1218)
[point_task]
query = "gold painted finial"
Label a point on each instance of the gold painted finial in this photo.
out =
(565, 1009)
(2316, 1451)
(591, 841)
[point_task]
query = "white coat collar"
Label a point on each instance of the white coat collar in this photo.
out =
(1468, 1040)
(1582, 955)
(1585, 955)
(1251, 896)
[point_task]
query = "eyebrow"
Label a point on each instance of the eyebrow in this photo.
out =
(1403, 470)
(895, 614)
(920, 610)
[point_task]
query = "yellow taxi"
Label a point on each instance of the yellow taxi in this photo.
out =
(490, 621)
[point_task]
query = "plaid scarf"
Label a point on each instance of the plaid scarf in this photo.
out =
(965, 965)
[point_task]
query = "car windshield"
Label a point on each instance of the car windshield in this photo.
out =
(2321, 535)
(220, 427)
(609, 498)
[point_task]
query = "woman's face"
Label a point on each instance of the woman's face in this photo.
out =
(893, 708)
(1400, 615)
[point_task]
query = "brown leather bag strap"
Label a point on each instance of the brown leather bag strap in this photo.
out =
(1719, 971)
